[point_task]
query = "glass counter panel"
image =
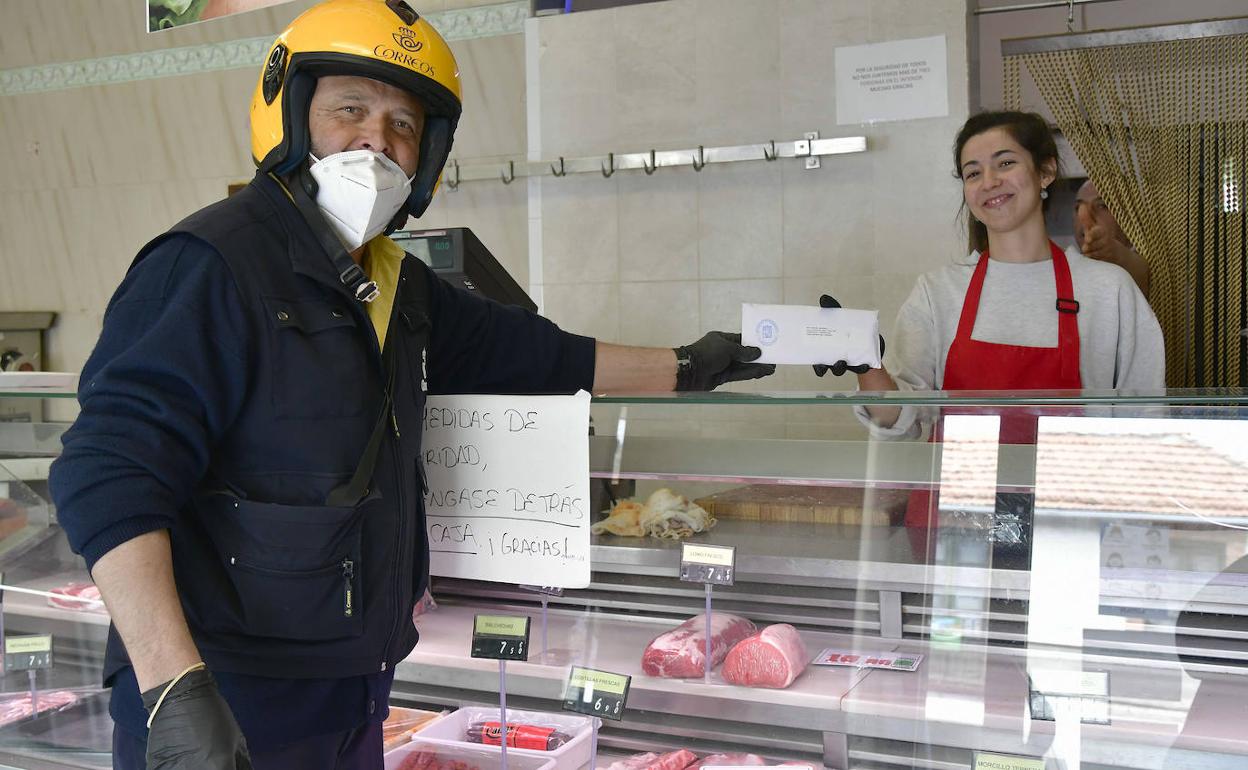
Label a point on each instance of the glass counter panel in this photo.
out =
(1066, 575)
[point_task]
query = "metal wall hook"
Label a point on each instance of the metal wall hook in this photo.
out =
(561, 170)
(650, 167)
(772, 154)
(510, 176)
(610, 162)
(699, 160)
(454, 185)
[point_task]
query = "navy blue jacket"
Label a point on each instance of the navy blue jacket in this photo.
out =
(235, 383)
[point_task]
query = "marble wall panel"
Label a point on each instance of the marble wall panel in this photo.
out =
(829, 216)
(579, 109)
(592, 309)
(31, 235)
(492, 72)
(916, 198)
(658, 226)
(37, 152)
(721, 300)
(580, 229)
(498, 216)
(655, 83)
(740, 231)
(663, 314)
(737, 68)
(810, 31)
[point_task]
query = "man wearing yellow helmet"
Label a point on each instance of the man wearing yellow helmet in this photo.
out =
(244, 479)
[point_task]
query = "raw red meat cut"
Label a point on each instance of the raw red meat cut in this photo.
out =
(84, 597)
(18, 706)
(681, 652)
(635, 762)
(672, 760)
(729, 760)
(773, 657)
(432, 760)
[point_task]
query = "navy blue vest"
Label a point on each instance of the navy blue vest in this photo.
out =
(273, 581)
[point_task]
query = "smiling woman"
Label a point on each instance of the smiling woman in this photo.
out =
(1006, 162)
(1019, 314)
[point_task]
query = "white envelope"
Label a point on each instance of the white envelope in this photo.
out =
(799, 334)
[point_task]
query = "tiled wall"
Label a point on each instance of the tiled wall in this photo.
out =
(91, 174)
(659, 259)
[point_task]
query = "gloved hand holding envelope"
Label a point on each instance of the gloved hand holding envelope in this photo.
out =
(797, 334)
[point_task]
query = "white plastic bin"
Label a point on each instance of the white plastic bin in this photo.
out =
(471, 756)
(572, 755)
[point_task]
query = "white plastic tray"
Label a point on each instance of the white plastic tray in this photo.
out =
(570, 756)
(475, 757)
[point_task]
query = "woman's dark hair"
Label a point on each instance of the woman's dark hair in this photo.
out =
(1029, 130)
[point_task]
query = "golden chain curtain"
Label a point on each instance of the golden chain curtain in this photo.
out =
(1162, 128)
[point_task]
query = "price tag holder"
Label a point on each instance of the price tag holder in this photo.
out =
(500, 637)
(27, 653)
(712, 564)
(986, 761)
(543, 590)
(596, 693)
(1083, 693)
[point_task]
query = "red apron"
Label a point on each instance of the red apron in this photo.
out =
(974, 365)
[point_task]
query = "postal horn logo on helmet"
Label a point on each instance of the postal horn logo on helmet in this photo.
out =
(407, 40)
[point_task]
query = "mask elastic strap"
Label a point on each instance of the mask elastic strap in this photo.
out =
(351, 275)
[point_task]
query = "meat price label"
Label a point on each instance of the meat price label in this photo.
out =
(500, 637)
(24, 653)
(507, 488)
(715, 564)
(895, 661)
(986, 761)
(596, 693)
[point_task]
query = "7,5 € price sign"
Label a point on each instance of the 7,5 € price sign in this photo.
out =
(26, 653)
(500, 637)
(596, 693)
(714, 564)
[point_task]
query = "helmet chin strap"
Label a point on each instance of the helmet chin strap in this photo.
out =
(351, 274)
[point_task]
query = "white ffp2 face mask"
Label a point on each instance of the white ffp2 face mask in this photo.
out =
(359, 192)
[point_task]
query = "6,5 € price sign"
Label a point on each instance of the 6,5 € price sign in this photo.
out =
(500, 637)
(596, 693)
(26, 653)
(714, 564)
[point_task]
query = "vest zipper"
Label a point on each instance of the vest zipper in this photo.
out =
(348, 574)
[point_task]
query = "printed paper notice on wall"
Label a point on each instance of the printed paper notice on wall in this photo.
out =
(897, 80)
(167, 14)
(507, 493)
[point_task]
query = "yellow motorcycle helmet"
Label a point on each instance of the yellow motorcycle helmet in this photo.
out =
(381, 39)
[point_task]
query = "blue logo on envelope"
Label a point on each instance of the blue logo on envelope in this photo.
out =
(768, 332)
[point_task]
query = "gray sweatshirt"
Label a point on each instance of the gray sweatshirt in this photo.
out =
(1120, 342)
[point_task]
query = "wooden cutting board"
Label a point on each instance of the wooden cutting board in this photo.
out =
(808, 504)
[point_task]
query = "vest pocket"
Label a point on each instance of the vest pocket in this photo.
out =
(295, 571)
(320, 365)
(308, 605)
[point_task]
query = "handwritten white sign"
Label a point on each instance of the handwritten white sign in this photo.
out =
(897, 80)
(507, 498)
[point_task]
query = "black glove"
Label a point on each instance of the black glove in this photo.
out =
(840, 367)
(193, 728)
(717, 358)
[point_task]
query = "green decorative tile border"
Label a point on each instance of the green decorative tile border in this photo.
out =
(463, 24)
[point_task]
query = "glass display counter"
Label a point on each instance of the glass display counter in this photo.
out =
(1058, 578)
(1064, 568)
(53, 710)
